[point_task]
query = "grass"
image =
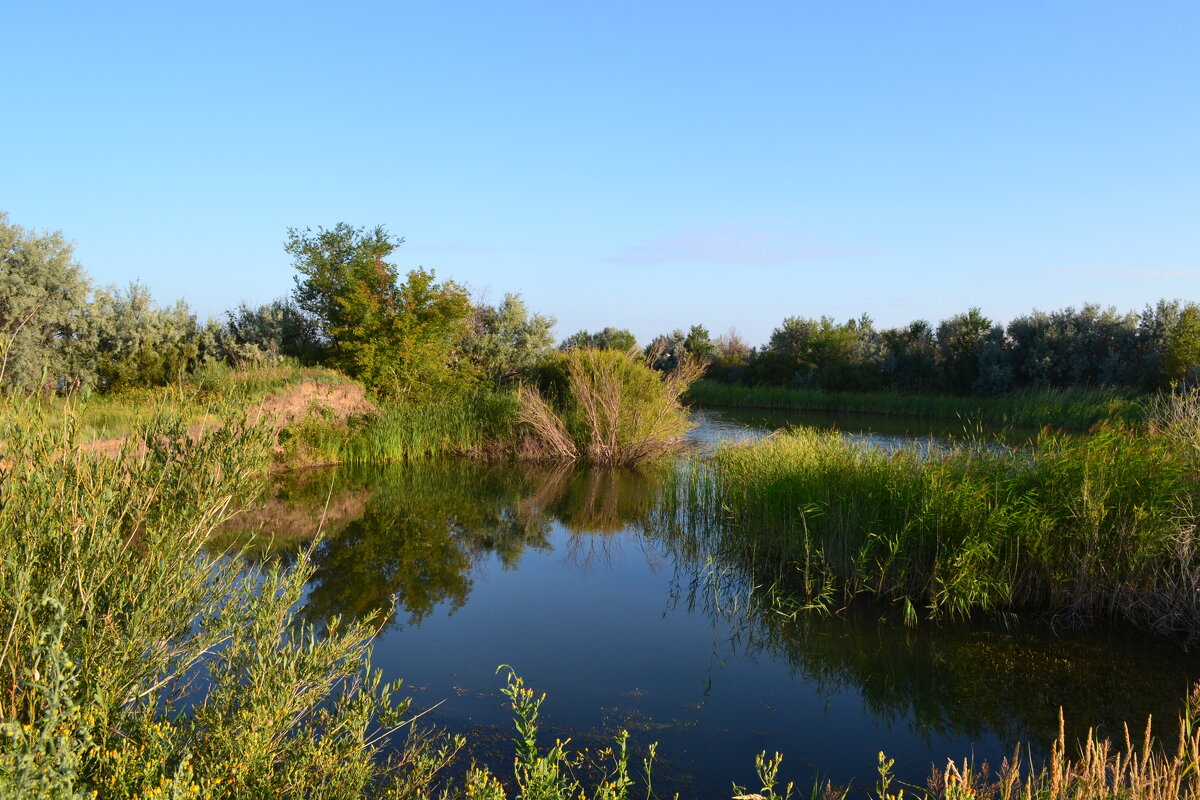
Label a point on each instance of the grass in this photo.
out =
(195, 400)
(1063, 408)
(470, 423)
(615, 410)
(1097, 527)
(116, 622)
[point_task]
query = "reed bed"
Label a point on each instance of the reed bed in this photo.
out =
(474, 423)
(134, 664)
(1063, 408)
(1097, 527)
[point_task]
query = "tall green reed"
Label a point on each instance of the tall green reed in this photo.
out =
(1069, 408)
(1091, 527)
(134, 664)
(475, 422)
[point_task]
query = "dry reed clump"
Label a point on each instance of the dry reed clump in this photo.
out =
(616, 409)
(1101, 771)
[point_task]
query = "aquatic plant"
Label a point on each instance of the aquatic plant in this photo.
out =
(1101, 526)
(477, 422)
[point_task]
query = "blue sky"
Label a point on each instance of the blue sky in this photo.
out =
(647, 165)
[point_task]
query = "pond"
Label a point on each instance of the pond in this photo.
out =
(564, 574)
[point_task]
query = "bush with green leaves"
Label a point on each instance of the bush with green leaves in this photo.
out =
(401, 339)
(505, 343)
(43, 291)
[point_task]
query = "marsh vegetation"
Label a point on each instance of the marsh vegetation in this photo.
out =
(177, 623)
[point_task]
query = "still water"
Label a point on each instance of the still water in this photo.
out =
(565, 574)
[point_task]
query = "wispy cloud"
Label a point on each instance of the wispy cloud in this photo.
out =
(1094, 272)
(726, 247)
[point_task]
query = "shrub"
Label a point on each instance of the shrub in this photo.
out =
(615, 409)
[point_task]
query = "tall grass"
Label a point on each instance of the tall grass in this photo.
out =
(135, 664)
(1068, 408)
(1090, 527)
(615, 410)
(196, 399)
(470, 423)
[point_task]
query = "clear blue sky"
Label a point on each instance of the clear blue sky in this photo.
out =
(647, 165)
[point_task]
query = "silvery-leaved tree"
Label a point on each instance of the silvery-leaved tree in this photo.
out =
(42, 293)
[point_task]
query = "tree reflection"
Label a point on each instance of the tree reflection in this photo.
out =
(411, 537)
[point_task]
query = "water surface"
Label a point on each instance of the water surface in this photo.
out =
(564, 574)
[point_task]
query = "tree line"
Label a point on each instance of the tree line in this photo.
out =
(968, 353)
(414, 337)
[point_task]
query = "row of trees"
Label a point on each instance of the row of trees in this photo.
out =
(968, 353)
(349, 310)
(417, 337)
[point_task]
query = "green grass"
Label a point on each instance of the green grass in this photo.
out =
(1063, 408)
(196, 400)
(1091, 527)
(476, 423)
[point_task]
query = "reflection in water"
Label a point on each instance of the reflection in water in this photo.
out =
(571, 562)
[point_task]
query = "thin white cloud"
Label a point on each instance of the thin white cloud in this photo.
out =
(754, 249)
(1093, 272)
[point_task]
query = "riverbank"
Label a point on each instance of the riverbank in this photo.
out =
(1058, 408)
(283, 712)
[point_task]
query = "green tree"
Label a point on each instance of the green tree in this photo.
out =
(399, 338)
(506, 342)
(1181, 362)
(959, 340)
(133, 342)
(608, 339)
(43, 290)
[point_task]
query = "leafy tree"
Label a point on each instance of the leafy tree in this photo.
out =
(134, 342)
(268, 334)
(506, 342)
(825, 354)
(910, 356)
(668, 350)
(958, 343)
(400, 339)
(699, 343)
(42, 292)
(1181, 359)
(608, 339)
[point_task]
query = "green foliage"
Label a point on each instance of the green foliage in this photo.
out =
(1101, 526)
(824, 354)
(505, 343)
(459, 423)
(667, 351)
(42, 294)
(555, 774)
(268, 334)
(1066, 408)
(399, 339)
(158, 626)
(133, 342)
(958, 342)
(607, 339)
